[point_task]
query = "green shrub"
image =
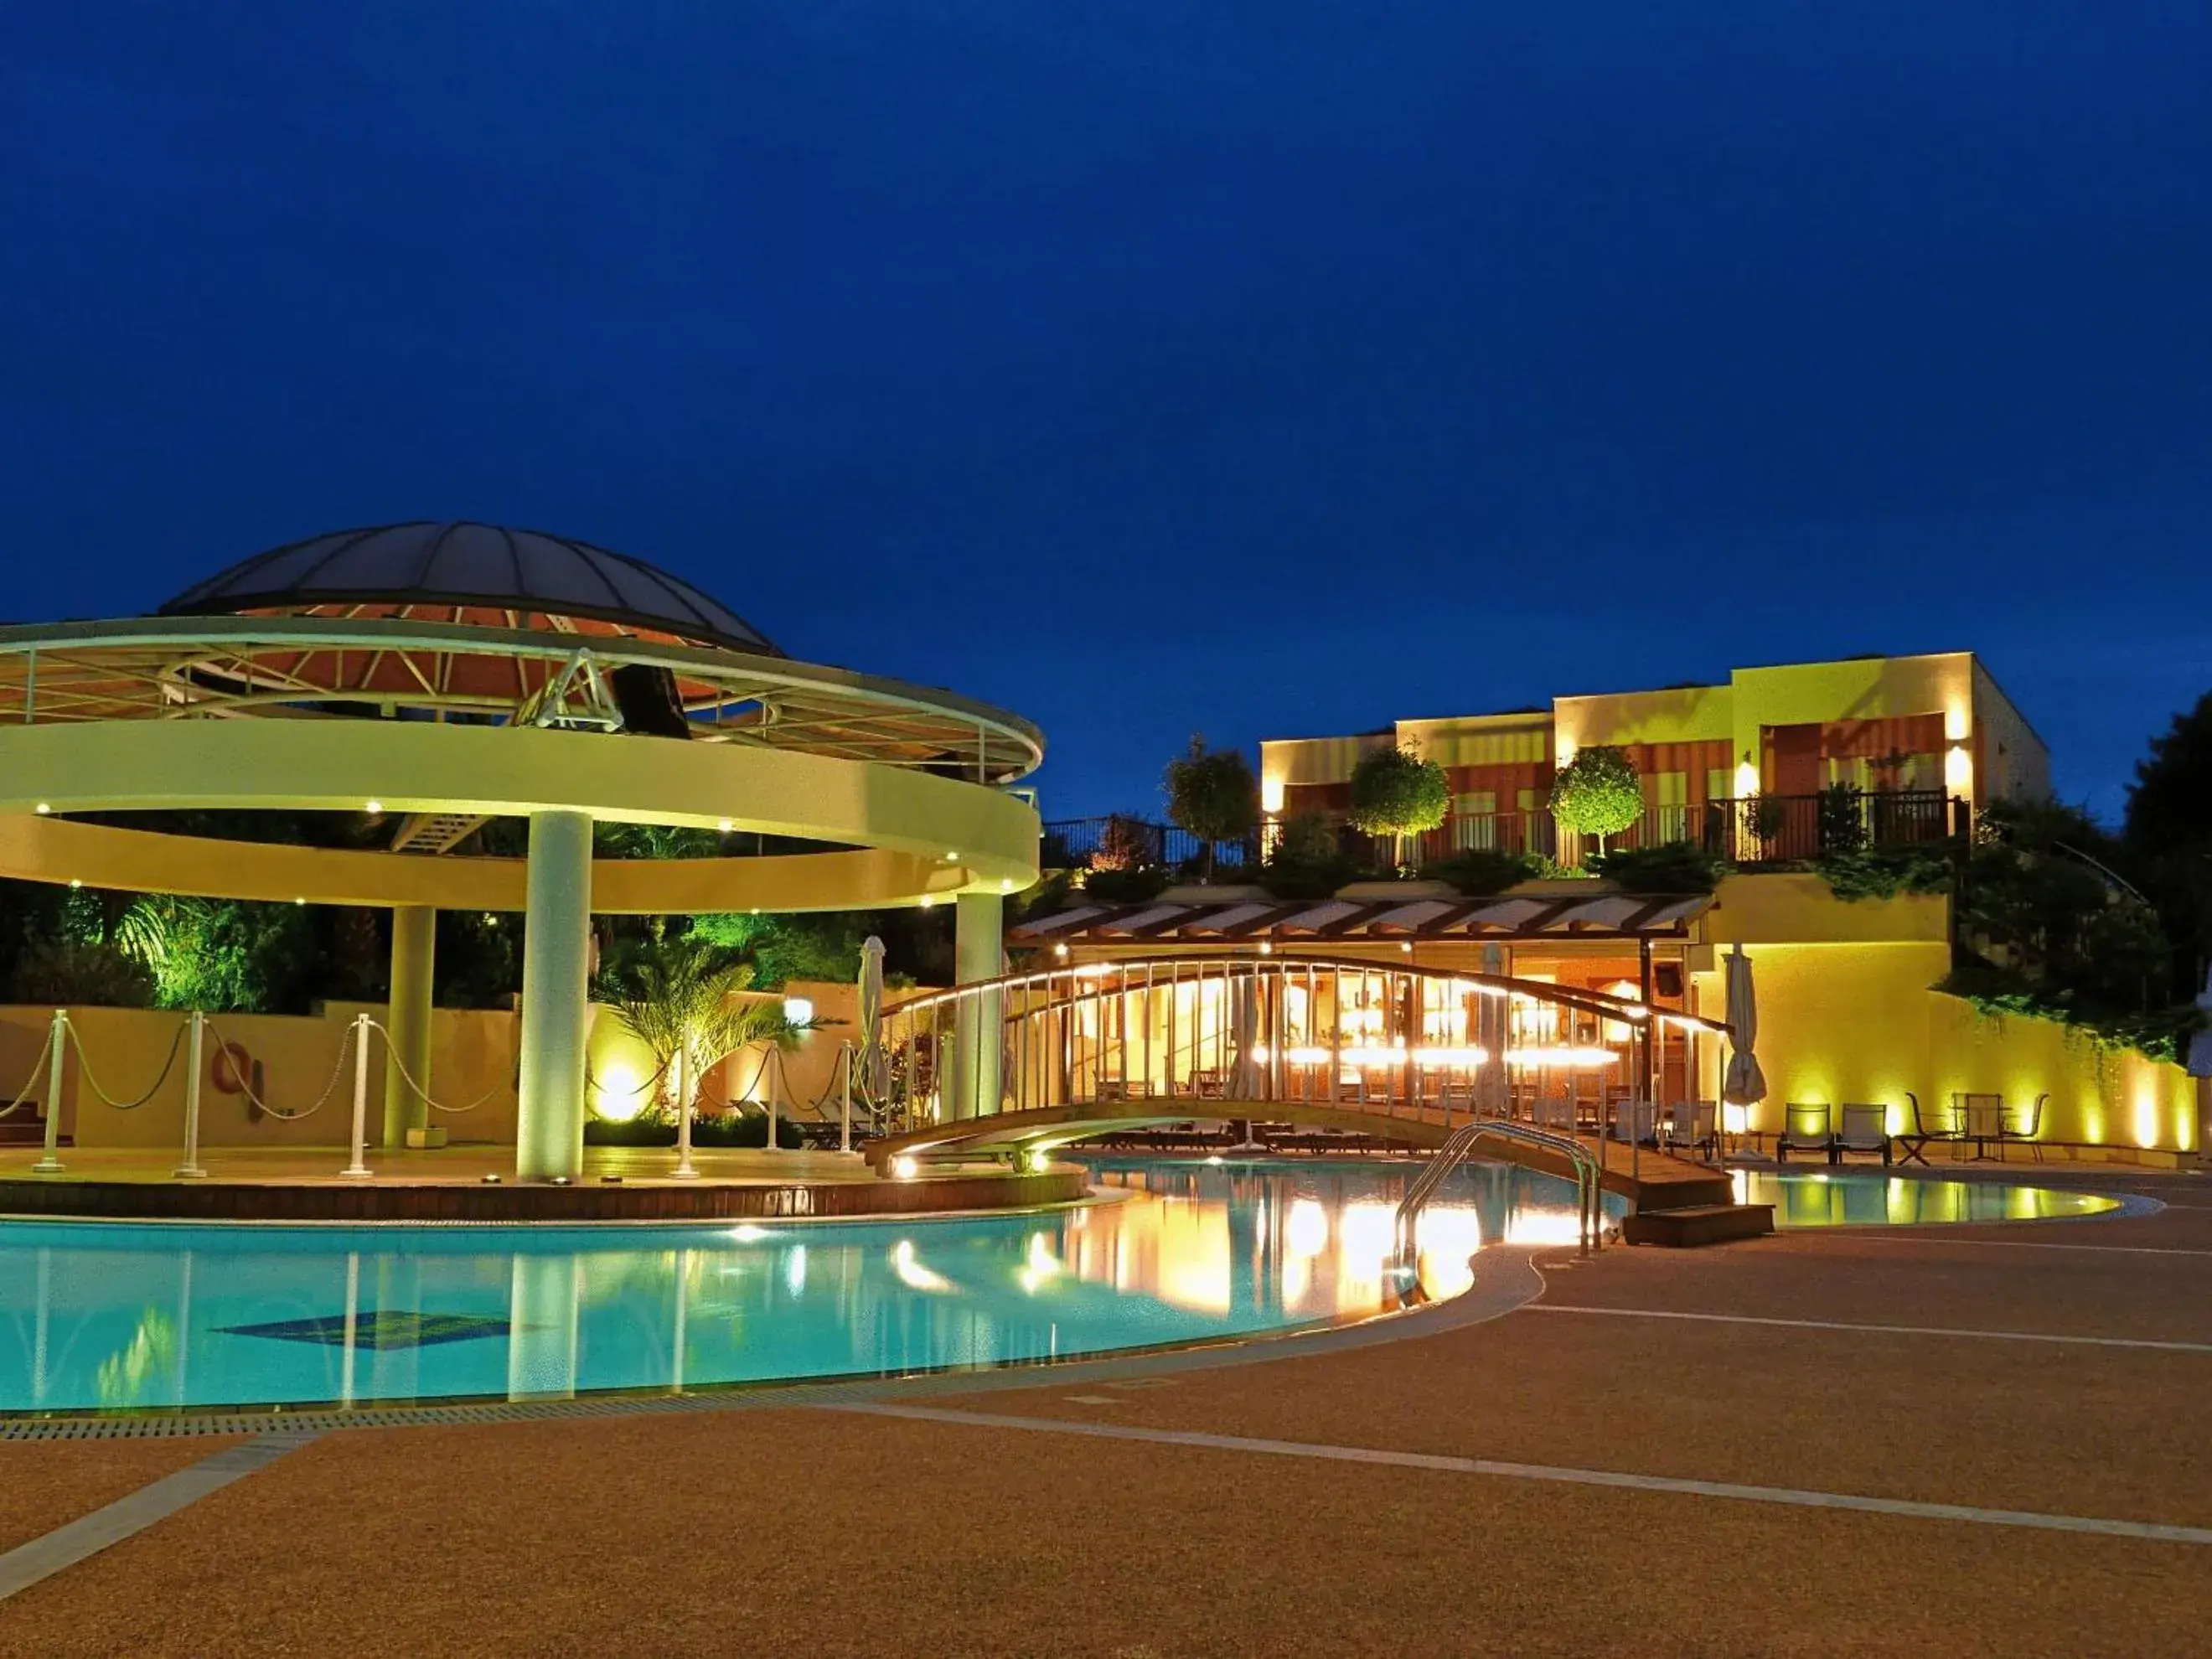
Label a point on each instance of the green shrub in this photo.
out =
(1886, 872)
(1480, 872)
(1126, 886)
(1306, 861)
(1677, 867)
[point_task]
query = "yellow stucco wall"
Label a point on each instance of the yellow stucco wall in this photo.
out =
(1846, 1014)
(472, 1055)
(1694, 714)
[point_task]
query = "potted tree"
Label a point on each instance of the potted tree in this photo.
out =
(1395, 793)
(1597, 793)
(1211, 793)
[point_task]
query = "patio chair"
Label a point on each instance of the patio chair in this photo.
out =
(1555, 1112)
(1634, 1120)
(1806, 1129)
(1692, 1124)
(1934, 1123)
(2021, 1123)
(1864, 1129)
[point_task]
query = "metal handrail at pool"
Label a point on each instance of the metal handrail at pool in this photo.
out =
(1589, 1223)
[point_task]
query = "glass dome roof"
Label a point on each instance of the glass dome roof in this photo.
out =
(479, 573)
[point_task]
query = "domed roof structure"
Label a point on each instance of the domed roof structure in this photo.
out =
(479, 573)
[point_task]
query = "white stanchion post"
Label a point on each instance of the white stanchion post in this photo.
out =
(845, 1133)
(771, 1095)
(56, 1040)
(359, 1169)
(196, 1048)
(685, 1169)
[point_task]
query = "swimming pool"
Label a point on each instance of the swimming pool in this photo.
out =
(1875, 1198)
(152, 1316)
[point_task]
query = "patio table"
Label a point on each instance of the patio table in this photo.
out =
(1981, 1116)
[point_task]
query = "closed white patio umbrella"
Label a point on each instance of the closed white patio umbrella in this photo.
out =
(871, 1066)
(1745, 1084)
(2200, 1068)
(2200, 1044)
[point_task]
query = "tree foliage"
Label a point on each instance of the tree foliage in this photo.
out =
(220, 954)
(1211, 793)
(1597, 793)
(678, 994)
(1395, 793)
(782, 948)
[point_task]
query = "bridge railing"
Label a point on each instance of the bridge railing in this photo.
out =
(1185, 1035)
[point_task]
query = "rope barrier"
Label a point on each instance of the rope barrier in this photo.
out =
(85, 1063)
(245, 1085)
(38, 1071)
(391, 1054)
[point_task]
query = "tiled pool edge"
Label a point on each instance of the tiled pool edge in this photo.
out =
(1505, 1278)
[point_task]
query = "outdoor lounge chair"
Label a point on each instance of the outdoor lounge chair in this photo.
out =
(2021, 1123)
(1930, 1123)
(1634, 1120)
(1805, 1129)
(1692, 1124)
(1864, 1129)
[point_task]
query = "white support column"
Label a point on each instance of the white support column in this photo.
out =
(978, 944)
(549, 1138)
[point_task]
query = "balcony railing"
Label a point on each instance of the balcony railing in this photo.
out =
(1119, 841)
(1761, 830)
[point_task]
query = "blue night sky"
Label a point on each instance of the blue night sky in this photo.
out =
(1265, 366)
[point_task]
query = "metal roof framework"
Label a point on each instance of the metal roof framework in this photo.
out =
(366, 663)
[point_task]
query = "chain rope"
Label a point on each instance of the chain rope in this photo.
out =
(84, 1063)
(246, 1086)
(391, 1054)
(38, 1071)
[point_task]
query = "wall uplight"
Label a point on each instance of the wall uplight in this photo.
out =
(44, 808)
(797, 1011)
(1746, 779)
(1270, 795)
(619, 1096)
(1958, 769)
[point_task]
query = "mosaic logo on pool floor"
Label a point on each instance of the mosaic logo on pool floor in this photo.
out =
(374, 1328)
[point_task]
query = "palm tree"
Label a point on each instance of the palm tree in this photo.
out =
(679, 997)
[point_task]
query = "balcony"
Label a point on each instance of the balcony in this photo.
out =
(1765, 829)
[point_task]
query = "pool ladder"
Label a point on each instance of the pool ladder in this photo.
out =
(1589, 1224)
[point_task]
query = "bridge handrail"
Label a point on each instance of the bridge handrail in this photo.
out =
(1590, 1228)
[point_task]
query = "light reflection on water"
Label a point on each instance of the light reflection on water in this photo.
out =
(1852, 1198)
(106, 1316)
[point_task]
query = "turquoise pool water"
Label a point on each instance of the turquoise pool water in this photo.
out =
(97, 1316)
(1872, 1198)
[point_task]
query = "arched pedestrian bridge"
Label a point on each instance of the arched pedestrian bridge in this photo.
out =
(1027, 1063)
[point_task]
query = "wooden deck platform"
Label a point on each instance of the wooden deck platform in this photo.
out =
(449, 1184)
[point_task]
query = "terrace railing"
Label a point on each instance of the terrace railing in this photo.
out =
(1758, 830)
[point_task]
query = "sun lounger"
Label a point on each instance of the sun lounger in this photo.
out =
(1863, 1128)
(1806, 1128)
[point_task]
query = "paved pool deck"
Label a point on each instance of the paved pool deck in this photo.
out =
(1953, 1440)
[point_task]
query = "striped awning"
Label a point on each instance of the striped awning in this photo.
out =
(1531, 916)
